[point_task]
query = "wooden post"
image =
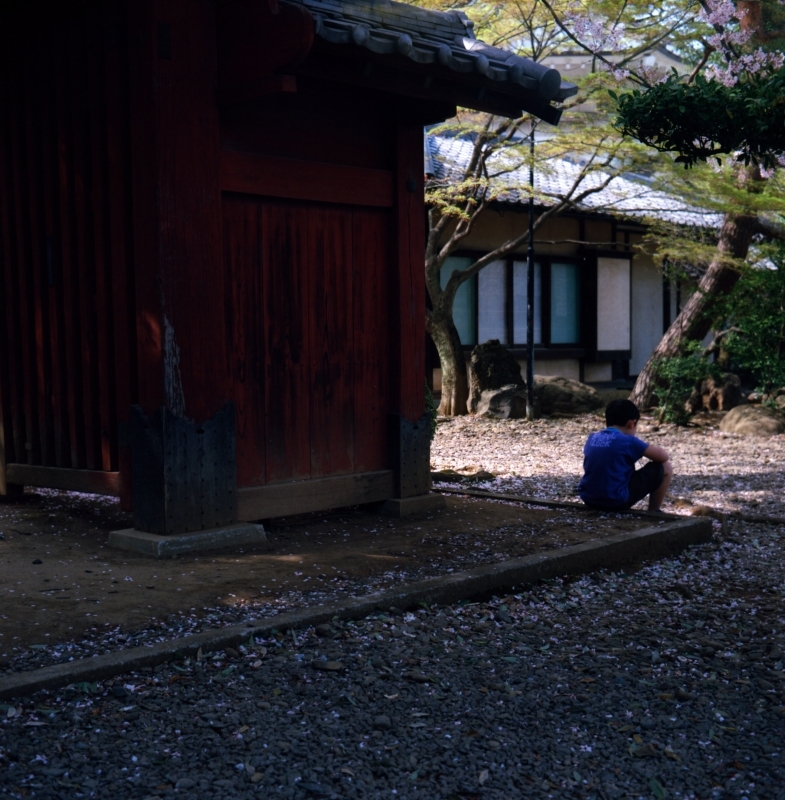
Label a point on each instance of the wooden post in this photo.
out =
(9, 492)
(175, 148)
(409, 425)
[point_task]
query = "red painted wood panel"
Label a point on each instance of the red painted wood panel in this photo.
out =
(308, 336)
(371, 336)
(58, 368)
(24, 297)
(120, 235)
(13, 399)
(68, 257)
(83, 273)
(330, 253)
(287, 360)
(101, 301)
(53, 293)
(148, 312)
(245, 355)
(34, 212)
(323, 122)
(305, 180)
(189, 199)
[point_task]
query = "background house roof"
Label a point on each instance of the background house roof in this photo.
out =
(443, 39)
(658, 62)
(628, 196)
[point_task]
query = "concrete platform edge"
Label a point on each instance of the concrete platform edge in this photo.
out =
(413, 506)
(157, 546)
(609, 553)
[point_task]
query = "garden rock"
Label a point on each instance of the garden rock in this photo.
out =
(492, 366)
(508, 402)
(753, 421)
(775, 398)
(717, 394)
(557, 395)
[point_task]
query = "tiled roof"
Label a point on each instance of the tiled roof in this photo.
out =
(446, 156)
(443, 38)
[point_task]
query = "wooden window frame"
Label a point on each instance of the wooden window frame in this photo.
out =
(544, 349)
(590, 290)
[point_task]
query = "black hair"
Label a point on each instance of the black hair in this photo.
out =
(619, 412)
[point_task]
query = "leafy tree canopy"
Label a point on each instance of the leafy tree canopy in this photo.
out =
(733, 102)
(705, 118)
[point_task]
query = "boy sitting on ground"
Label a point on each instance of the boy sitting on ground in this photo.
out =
(610, 479)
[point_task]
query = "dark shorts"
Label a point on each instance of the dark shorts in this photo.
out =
(643, 482)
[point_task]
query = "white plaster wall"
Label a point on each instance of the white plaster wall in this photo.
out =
(613, 304)
(567, 368)
(646, 310)
(493, 228)
(594, 373)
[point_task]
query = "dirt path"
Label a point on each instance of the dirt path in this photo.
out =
(59, 581)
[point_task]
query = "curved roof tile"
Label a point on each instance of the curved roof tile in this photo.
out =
(431, 37)
(624, 196)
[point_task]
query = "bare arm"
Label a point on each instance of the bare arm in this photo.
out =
(655, 453)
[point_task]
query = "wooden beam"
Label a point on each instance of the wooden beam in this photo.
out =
(261, 87)
(299, 497)
(71, 480)
(296, 179)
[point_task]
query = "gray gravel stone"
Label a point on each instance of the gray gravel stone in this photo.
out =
(551, 691)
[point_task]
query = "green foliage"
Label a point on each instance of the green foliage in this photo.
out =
(705, 118)
(431, 409)
(755, 310)
(677, 377)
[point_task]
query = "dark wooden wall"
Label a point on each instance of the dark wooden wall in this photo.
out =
(66, 294)
(325, 338)
(158, 252)
(309, 344)
(177, 207)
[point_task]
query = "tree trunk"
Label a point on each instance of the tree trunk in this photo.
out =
(695, 320)
(455, 382)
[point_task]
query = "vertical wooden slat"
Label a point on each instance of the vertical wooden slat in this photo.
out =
(22, 265)
(372, 288)
(330, 342)
(68, 258)
(53, 277)
(409, 352)
(84, 272)
(287, 424)
(244, 315)
(120, 234)
(148, 313)
(40, 310)
(189, 198)
(13, 392)
(104, 386)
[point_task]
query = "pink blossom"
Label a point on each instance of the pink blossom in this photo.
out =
(592, 31)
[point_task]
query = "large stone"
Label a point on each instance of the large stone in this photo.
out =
(509, 402)
(557, 395)
(717, 394)
(775, 397)
(754, 420)
(491, 367)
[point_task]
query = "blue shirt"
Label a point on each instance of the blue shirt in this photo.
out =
(609, 458)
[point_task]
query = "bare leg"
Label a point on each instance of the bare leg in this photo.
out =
(658, 495)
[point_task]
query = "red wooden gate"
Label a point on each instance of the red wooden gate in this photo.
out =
(309, 336)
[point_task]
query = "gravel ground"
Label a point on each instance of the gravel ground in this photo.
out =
(666, 681)
(544, 459)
